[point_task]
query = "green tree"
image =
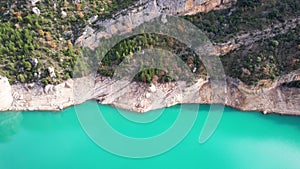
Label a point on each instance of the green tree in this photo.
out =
(27, 66)
(21, 78)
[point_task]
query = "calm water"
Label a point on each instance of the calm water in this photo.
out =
(243, 140)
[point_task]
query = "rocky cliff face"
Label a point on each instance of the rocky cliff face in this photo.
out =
(187, 7)
(6, 98)
(35, 97)
(146, 10)
(140, 97)
(192, 6)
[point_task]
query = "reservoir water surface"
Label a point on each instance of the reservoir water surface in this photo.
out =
(242, 140)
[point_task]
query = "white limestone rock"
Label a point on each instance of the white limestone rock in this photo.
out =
(152, 88)
(64, 14)
(51, 72)
(68, 85)
(36, 11)
(48, 88)
(34, 62)
(93, 19)
(76, 1)
(164, 19)
(6, 98)
(148, 95)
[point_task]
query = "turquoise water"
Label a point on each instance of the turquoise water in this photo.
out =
(243, 140)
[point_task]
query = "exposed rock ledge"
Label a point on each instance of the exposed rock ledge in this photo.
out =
(137, 96)
(145, 10)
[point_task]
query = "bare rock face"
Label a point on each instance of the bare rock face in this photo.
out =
(36, 10)
(270, 99)
(64, 14)
(48, 98)
(195, 6)
(122, 24)
(6, 98)
(140, 97)
(137, 97)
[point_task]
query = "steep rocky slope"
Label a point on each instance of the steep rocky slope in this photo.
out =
(137, 96)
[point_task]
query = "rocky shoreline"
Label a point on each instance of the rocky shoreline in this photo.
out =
(140, 97)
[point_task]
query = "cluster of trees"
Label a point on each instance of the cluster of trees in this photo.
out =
(25, 36)
(126, 48)
(266, 62)
(267, 59)
(16, 46)
(49, 38)
(79, 14)
(221, 25)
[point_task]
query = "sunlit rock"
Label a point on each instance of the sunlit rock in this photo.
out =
(51, 72)
(36, 11)
(64, 14)
(6, 98)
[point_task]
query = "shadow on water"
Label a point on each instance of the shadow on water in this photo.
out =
(286, 120)
(9, 125)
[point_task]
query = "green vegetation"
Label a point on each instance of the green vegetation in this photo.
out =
(48, 37)
(245, 16)
(148, 41)
(31, 43)
(265, 59)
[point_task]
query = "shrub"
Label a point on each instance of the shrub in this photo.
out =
(274, 43)
(21, 78)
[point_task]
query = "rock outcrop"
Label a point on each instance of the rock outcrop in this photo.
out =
(247, 39)
(50, 97)
(141, 97)
(193, 7)
(146, 10)
(137, 97)
(6, 98)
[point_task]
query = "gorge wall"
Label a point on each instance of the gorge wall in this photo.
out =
(140, 97)
(144, 11)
